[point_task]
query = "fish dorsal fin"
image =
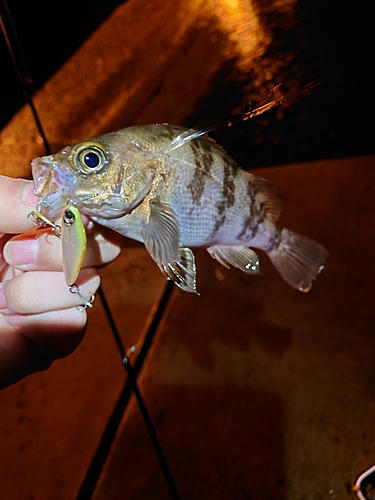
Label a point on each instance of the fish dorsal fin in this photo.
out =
(267, 197)
(189, 135)
(183, 271)
(237, 256)
(161, 234)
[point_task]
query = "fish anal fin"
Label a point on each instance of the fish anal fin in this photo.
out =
(183, 271)
(298, 259)
(267, 197)
(161, 234)
(238, 256)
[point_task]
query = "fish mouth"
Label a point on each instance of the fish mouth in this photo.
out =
(39, 169)
(51, 185)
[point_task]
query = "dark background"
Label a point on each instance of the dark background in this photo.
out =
(331, 39)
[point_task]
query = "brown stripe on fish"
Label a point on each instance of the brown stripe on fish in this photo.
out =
(252, 221)
(228, 196)
(219, 221)
(248, 229)
(228, 184)
(203, 160)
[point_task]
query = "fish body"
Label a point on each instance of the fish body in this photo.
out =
(172, 198)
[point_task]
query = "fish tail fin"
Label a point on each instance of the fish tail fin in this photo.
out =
(298, 259)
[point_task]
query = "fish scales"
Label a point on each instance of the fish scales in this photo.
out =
(176, 198)
(208, 192)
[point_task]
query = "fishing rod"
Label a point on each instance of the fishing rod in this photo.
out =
(16, 52)
(130, 387)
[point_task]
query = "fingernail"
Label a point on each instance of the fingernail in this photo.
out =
(27, 196)
(3, 302)
(21, 251)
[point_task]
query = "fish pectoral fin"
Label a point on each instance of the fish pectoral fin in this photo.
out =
(161, 234)
(183, 271)
(237, 256)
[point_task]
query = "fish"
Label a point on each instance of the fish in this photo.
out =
(175, 189)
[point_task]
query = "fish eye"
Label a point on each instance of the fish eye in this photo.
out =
(89, 157)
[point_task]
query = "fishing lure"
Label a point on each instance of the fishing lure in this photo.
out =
(73, 243)
(73, 238)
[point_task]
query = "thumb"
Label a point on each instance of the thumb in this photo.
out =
(16, 202)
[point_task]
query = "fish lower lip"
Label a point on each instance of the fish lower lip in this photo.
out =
(39, 171)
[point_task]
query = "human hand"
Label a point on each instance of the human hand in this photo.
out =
(39, 321)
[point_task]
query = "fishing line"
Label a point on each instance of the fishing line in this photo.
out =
(15, 49)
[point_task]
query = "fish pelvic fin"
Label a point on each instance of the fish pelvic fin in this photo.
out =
(183, 271)
(161, 234)
(298, 259)
(237, 256)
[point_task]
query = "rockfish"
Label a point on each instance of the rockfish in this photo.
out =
(172, 194)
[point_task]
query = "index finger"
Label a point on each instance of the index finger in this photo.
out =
(16, 202)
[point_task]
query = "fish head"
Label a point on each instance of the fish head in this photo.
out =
(104, 177)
